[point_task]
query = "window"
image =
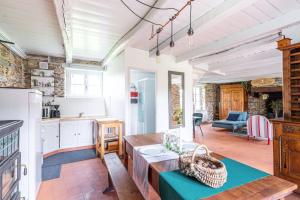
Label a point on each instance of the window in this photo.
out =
(83, 83)
(199, 98)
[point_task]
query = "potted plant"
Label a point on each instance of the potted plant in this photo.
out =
(276, 106)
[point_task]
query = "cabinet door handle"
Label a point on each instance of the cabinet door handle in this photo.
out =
(25, 169)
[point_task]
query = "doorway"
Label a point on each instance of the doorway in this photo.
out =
(143, 104)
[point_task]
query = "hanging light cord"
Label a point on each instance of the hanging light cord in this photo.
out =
(174, 17)
(142, 18)
(190, 14)
(154, 7)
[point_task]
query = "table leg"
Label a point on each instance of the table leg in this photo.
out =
(120, 139)
(102, 141)
(194, 129)
(125, 156)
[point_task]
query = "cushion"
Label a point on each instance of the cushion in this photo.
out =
(226, 122)
(233, 117)
(243, 116)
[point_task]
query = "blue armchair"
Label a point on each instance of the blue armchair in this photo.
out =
(234, 121)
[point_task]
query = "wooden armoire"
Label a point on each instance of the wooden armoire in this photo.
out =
(232, 98)
(286, 143)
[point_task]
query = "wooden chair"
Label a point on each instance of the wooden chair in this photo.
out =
(109, 138)
(197, 121)
(259, 127)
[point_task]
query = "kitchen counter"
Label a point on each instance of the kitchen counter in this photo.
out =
(72, 118)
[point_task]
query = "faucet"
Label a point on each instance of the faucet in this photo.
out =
(81, 114)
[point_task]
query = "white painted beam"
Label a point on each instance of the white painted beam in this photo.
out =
(13, 47)
(250, 62)
(243, 51)
(269, 27)
(63, 13)
(121, 43)
(212, 17)
(244, 75)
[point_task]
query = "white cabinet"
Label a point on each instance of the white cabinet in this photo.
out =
(85, 133)
(68, 134)
(76, 133)
(50, 136)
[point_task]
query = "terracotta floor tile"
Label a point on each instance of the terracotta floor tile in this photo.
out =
(85, 180)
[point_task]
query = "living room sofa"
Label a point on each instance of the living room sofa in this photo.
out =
(239, 121)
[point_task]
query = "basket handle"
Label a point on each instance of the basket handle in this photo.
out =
(200, 147)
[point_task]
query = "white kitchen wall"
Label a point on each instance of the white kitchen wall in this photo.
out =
(70, 107)
(117, 86)
(139, 59)
(114, 87)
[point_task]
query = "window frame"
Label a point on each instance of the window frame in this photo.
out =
(199, 97)
(85, 72)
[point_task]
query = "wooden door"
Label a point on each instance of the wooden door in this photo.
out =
(232, 98)
(237, 100)
(225, 103)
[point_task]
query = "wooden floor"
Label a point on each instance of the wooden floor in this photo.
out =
(86, 180)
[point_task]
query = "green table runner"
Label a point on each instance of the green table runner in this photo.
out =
(174, 185)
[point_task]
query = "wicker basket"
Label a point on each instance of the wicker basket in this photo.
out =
(204, 168)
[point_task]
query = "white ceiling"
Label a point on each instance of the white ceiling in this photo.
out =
(216, 52)
(98, 25)
(32, 24)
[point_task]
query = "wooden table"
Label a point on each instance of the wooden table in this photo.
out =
(270, 187)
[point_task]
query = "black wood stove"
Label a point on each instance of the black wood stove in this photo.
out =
(10, 159)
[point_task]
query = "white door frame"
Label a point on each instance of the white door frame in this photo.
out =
(128, 113)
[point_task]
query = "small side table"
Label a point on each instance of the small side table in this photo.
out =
(109, 131)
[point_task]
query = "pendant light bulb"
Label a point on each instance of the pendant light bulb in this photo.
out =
(157, 53)
(190, 31)
(172, 43)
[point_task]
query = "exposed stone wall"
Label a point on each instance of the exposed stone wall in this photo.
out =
(18, 75)
(11, 76)
(54, 63)
(175, 102)
(257, 106)
(212, 99)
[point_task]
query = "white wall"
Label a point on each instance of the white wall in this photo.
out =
(135, 76)
(114, 87)
(139, 59)
(74, 106)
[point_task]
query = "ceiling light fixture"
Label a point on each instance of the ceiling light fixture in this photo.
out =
(190, 31)
(157, 38)
(172, 43)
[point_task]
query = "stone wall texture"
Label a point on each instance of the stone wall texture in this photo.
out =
(54, 63)
(256, 106)
(18, 74)
(212, 99)
(11, 69)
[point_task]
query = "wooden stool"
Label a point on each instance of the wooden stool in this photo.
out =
(109, 131)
